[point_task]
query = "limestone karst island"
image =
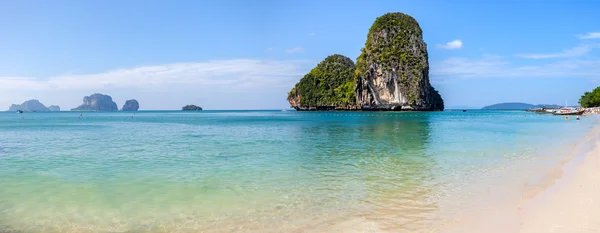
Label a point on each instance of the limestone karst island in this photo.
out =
(33, 105)
(97, 102)
(102, 102)
(391, 74)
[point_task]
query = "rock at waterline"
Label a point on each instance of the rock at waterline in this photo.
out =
(191, 108)
(131, 105)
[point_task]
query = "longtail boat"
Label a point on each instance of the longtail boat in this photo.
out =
(568, 113)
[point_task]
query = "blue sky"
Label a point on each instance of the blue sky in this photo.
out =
(248, 54)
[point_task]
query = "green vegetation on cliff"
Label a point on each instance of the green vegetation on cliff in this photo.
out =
(394, 50)
(331, 83)
(590, 99)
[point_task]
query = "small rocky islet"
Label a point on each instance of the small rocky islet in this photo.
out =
(391, 74)
(131, 105)
(191, 107)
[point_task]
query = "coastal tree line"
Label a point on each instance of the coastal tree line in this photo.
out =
(590, 99)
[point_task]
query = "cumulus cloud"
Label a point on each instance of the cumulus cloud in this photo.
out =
(455, 44)
(295, 50)
(590, 35)
(219, 72)
(572, 52)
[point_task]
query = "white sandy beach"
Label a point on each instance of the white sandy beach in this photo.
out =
(571, 203)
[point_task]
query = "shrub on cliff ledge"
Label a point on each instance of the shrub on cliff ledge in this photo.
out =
(331, 83)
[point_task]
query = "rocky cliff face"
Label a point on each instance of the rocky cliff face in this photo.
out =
(392, 70)
(328, 86)
(54, 108)
(29, 105)
(97, 102)
(130, 105)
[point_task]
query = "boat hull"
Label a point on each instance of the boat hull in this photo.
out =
(568, 113)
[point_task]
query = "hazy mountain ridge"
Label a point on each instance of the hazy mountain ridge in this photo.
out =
(518, 106)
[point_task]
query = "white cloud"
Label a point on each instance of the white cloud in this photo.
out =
(455, 44)
(217, 72)
(295, 50)
(500, 67)
(573, 52)
(591, 35)
(178, 81)
(268, 50)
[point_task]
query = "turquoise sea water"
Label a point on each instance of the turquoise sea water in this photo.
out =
(262, 171)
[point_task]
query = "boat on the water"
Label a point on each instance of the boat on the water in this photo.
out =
(567, 112)
(19, 111)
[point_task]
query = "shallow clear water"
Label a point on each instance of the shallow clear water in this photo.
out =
(259, 171)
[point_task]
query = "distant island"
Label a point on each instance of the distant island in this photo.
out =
(33, 105)
(191, 108)
(131, 105)
(391, 74)
(518, 106)
(97, 102)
